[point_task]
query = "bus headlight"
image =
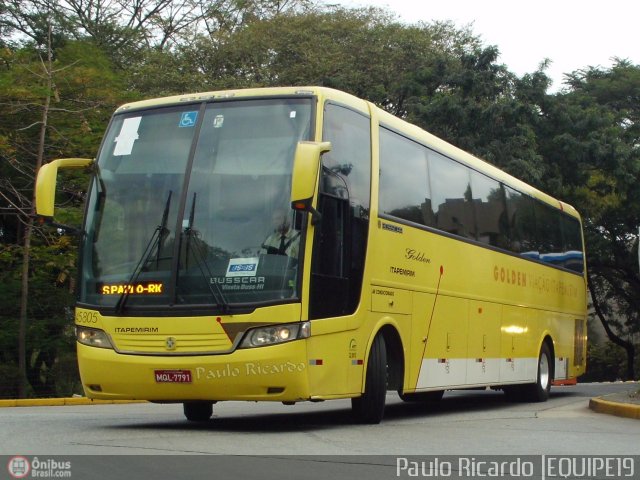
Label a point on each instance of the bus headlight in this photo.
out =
(93, 337)
(274, 334)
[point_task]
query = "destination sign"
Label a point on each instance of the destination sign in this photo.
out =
(143, 288)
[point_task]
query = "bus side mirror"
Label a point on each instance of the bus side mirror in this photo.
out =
(304, 178)
(46, 183)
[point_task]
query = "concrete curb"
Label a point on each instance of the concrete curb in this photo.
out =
(629, 410)
(59, 402)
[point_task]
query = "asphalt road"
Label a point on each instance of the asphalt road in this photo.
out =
(468, 423)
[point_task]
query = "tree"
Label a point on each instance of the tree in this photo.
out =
(590, 143)
(113, 26)
(478, 105)
(54, 90)
(42, 96)
(366, 52)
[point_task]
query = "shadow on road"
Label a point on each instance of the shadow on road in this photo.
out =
(293, 420)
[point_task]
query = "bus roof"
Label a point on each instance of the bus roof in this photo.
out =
(243, 93)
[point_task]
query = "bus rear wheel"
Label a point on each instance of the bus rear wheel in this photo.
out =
(198, 411)
(369, 407)
(538, 391)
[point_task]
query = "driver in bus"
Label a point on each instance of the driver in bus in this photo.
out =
(283, 240)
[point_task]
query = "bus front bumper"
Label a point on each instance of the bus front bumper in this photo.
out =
(272, 373)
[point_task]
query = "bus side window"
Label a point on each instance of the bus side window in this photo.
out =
(340, 237)
(549, 233)
(522, 224)
(573, 250)
(489, 207)
(404, 180)
(451, 196)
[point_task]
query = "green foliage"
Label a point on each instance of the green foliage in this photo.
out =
(84, 93)
(481, 107)
(590, 144)
(365, 52)
(605, 363)
(49, 333)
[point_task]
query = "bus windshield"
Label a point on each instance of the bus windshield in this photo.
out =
(190, 206)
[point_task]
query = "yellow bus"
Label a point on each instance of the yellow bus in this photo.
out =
(301, 244)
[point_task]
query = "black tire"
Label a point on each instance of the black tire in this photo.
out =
(423, 397)
(538, 391)
(198, 411)
(369, 407)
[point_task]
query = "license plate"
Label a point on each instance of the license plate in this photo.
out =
(173, 376)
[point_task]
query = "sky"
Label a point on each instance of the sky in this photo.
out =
(573, 34)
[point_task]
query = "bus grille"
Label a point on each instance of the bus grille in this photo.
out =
(178, 344)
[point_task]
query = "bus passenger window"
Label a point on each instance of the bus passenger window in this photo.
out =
(489, 209)
(573, 256)
(404, 183)
(522, 224)
(549, 235)
(451, 196)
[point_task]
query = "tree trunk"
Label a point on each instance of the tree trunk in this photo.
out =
(24, 301)
(26, 253)
(628, 346)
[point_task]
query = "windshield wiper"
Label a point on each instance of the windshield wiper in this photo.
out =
(162, 230)
(201, 261)
(156, 240)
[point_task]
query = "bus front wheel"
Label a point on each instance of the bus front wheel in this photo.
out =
(369, 407)
(198, 411)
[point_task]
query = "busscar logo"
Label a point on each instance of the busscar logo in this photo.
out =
(18, 467)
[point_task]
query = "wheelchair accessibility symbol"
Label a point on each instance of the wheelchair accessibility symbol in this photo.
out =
(188, 119)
